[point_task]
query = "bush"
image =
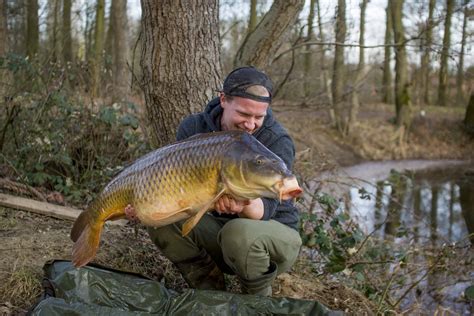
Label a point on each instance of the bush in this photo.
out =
(55, 139)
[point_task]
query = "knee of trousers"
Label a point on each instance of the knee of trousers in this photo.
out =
(164, 236)
(243, 248)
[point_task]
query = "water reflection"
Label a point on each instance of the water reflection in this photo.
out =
(424, 209)
(435, 206)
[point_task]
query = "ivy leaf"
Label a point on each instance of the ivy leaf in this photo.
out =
(129, 120)
(108, 115)
(469, 292)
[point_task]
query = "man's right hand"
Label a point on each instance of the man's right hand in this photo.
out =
(130, 213)
(228, 205)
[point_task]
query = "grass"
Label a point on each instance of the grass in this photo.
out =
(20, 288)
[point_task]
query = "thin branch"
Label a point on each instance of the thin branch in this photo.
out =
(229, 29)
(382, 298)
(431, 268)
(290, 70)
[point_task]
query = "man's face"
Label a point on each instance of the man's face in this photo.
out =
(242, 113)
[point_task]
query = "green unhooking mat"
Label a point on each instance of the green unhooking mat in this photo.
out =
(96, 290)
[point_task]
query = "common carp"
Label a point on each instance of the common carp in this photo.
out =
(183, 180)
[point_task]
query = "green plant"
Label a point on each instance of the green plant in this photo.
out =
(59, 141)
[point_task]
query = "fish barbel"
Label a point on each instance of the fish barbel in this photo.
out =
(183, 180)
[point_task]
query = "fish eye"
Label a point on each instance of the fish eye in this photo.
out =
(259, 161)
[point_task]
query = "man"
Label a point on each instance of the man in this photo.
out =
(256, 239)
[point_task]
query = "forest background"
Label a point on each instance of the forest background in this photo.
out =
(88, 86)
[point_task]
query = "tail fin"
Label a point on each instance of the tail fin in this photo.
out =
(86, 235)
(82, 221)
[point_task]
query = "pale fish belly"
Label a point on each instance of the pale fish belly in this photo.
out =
(160, 212)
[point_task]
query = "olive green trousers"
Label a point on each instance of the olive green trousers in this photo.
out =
(255, 250)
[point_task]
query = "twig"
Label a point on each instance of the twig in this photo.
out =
(132, 69)
(369, 262)
(431, 268)
(229, 29)
(382, 298)
(24, 185)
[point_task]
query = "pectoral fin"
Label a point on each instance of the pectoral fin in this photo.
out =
(191, 222)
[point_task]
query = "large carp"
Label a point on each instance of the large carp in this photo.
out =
(184, 180)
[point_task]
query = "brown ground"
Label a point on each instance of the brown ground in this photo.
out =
(29, 240)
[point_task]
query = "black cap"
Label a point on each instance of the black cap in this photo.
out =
(241, 79)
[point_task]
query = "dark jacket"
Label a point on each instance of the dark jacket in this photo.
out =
(271, 134)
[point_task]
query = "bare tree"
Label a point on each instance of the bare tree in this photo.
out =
(387, 71)
(32, 28)
(469, 116)
(260, 45)
(307, 68)
(109, 37)
(3, 28)
(427, 41)
(53, 30)
(98, 47)
(180, 61)
(66, 31)
(339, 68)
(120, 48)
(360, 68)
(325, 81)
(4, 48)
(443, 68)
(402, 94)
(252, 16)
(460, 75)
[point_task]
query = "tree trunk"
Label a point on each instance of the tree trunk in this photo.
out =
(109, 42)
(67, 35)
(98, 47)
(121, 76)
(88, 29)
(426, 59)
(325, 81)
(53, 11)
(338, 66)
(443, 69)
(402, 95)
(387, 70)
(252, 16)
(460, 76)
(469, 116)
(360, 68)
(260, 46)
(32, 29)
(3, 28)
(180, 61)
(5, 78)
(308, 57)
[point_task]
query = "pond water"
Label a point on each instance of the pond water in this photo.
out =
(422, 205)
(432, 204)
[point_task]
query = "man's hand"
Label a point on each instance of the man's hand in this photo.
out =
(131, 214)
(229, 205)
(252, 209)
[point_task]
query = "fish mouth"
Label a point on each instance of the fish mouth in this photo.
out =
(288, 188)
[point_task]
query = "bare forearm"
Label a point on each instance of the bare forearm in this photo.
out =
(254, 210)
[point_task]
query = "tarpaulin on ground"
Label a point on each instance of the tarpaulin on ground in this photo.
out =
(96, 290)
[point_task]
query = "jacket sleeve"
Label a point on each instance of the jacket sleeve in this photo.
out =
(284, 148)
